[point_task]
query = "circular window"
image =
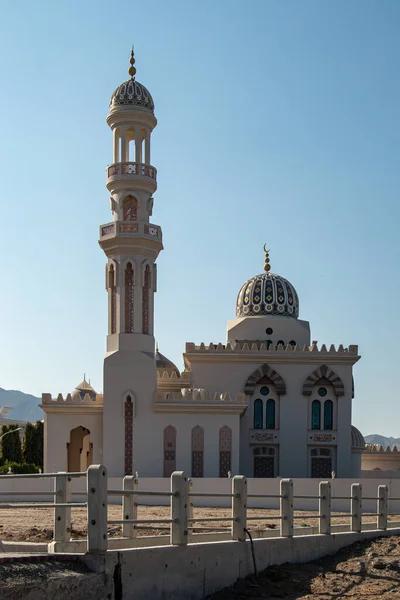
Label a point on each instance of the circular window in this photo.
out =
(269, 331)
(264, 390)
(292, 343)
(322, 392)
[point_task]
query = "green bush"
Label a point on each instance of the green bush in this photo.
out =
(18, 468)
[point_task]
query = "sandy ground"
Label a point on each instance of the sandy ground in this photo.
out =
(363, 571)
(36, 524)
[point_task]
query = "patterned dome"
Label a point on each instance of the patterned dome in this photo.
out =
(132, 93)
(357, 438)
(82, 389)
(267, 294)
(164, 364)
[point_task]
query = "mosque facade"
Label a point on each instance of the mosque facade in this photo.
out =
(267, 402)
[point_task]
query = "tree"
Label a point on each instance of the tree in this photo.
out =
(11, 444)
(33, 444)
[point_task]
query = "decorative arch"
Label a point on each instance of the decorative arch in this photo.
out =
(323, 372)
(129, 298)
(265, 372)
(128, 414)
(113, 300)
(145, 301)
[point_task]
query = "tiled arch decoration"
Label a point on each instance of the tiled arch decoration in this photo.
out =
(323, 372)
(265, 371)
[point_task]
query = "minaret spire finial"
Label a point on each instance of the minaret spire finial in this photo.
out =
(267, 266)
(132, 70)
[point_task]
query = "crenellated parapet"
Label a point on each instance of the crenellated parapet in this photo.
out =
(172, 381)
(69, 400)
(199, 400)
(245, 347)
(379, 449)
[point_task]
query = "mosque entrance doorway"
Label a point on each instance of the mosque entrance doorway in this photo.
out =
(79, 449)
(321, 462)
(264, 462)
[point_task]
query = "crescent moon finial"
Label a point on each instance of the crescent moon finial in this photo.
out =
(267, 266)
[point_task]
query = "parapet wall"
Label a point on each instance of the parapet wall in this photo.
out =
(74, 401)
(258, 346)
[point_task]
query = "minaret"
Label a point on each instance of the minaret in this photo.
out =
(131, 244)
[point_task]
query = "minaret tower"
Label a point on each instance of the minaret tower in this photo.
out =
(131, 244)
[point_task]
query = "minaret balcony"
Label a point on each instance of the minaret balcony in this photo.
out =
(129, 229)
(125, 173)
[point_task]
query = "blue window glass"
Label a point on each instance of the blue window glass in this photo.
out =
(328, 415)
(316, 415)
(270, 421)
(258, 414)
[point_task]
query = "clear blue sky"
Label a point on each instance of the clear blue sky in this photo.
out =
(278, 123)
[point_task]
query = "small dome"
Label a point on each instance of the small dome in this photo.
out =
(267, 294)
(82, 389)
(357, 438)
(164, 364)
(132, 93)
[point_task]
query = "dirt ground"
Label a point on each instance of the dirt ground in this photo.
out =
(363, 571)
(36, 524)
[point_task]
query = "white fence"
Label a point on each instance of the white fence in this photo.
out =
(183, 494)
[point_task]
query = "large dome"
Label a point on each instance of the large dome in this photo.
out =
(132, 93)
(267, 294)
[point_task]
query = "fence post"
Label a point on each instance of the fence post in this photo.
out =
(239, 508)
(382, 508)
(286, 508)
(62, 514)
(129, 506)
(356, 507)
(179, 508)
(325, 507)
(97, 508)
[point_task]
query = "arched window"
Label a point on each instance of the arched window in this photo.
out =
(169, 450)
(258, 414)
(225, 450)
(146, 293)
(129, 304)
(128, 435)
(270, 421)
(328, 415)
(113, 291)
(130, 209)
(197, 451)
(316, 415)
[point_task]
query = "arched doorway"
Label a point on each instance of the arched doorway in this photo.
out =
(79, 449)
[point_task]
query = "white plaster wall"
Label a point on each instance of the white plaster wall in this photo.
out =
(285, 329)
(294, 411)
(57, 435)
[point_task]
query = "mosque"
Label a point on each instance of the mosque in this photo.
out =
(268, 402)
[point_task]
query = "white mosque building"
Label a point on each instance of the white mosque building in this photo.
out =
(268, 402)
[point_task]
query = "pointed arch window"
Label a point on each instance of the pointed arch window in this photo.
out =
(129, 299)
(146, 298)
(113, 300)
(128, 406)
(316, 415)
(130, 209)
(197, 451)
(270, 420)
(328, 415)
(258, 413)
(169, 450)
(225, 451)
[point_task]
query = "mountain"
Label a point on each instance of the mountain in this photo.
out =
(382, 440)
(24, 406)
